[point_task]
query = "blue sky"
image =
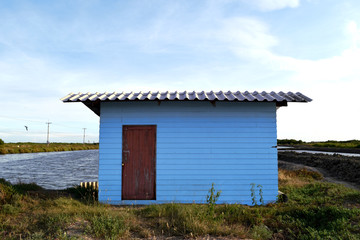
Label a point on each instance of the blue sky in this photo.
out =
(51, 48)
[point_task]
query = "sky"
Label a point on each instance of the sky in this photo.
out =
(51, 48)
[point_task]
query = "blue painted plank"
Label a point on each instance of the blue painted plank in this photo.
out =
(224, 188)
(213, 161)
(138, 202)
(182, 182)
(218, 167)
(195, 188)
(216, 150)
(196, 145)
(194, 120)
(198, 172)
(201, 157)
(212, 172)
(253, 178)
(203, 193)
(115, 177)
(216, 139)
(196, 165)
(109, 182)
(217, 155)
(215, 135)
(191, 197)
(111, 162)
(230, 181)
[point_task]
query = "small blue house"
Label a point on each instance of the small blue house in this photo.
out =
(163, 147)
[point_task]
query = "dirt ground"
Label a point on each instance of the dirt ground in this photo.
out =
(335, 168)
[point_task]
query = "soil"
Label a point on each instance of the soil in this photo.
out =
(335, 168)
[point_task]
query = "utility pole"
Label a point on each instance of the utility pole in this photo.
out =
(48, 128)
(84, 136)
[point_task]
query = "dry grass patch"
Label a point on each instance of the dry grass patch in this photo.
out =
(297, 178)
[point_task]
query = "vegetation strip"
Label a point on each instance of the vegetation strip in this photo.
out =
(350, 146)
(21, 147)
(315, 210)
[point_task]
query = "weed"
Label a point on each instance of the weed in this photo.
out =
(107, 226)
(7, 192)
(211, 199)
(253, 194)
(52, 224)
(261, 232)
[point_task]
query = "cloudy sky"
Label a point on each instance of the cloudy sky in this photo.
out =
(51, 48)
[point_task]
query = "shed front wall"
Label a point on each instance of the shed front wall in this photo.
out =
(230, 144)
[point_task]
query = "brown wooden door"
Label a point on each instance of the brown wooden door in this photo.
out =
(139, 157)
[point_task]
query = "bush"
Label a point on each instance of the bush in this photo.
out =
(1, 142)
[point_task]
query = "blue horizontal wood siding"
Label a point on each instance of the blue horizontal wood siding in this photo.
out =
(230, 145)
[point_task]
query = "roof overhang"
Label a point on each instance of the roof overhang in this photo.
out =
(93, 100)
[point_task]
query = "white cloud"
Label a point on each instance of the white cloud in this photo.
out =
(244, 35)
(271, 5)
(354, 33)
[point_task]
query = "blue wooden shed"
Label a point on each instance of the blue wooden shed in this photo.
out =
(163, 147)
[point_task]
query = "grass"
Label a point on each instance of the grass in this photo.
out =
(327, 144)
(315, 210)
(26, 147)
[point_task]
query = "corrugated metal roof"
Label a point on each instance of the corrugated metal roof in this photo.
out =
(92, 99)
(185, 95)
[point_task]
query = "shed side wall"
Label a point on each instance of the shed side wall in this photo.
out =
(230, 145)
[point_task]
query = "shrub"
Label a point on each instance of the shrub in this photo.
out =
(25, 187)
(87, 194)
(1, 142)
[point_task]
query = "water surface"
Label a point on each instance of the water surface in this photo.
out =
(51, 170)
(322, 152)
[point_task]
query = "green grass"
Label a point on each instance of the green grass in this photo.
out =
(315, 210)
(328, 144)
(26, 147)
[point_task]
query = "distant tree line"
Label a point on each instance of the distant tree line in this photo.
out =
(329, 143)
(289, 141)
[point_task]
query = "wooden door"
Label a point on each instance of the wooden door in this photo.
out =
(139, 159)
